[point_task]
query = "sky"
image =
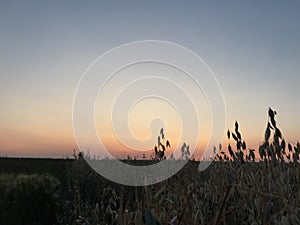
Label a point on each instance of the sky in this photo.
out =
(45, 46)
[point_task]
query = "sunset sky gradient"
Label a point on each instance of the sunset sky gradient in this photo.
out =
(253, 47)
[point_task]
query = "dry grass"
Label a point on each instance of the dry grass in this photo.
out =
(236, 189)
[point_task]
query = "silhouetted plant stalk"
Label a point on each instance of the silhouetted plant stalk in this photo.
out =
(272, 150)
(237, 188)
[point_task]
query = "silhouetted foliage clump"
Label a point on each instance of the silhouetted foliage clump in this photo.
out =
(28, 199)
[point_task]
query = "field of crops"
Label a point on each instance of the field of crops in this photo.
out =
(238, 188)
(226, 193)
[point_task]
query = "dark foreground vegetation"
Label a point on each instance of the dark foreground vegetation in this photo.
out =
(225, 193)
(240, 187)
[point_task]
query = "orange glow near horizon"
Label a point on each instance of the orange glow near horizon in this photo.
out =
(39, 131)
(46, 136)
(49, 144)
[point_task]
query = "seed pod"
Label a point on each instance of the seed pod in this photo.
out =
(234, 137)
(267, 133)
(244, 145)
(228, 134)
(278, 132)
(290, 147)
(238, 134)
(236, 126)
(283, 145)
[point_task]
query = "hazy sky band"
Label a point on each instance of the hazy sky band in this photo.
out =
(253, 48)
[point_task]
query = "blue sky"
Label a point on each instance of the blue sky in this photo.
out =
(253, 48)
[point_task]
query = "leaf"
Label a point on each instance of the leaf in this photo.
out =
(238, 134)
(278, 132)
(273, 122)
(236, 126)
(283, 145)
(271, 113)
(228, 134)
(234, 137)
(230, 151)
(244, 145)
(290, 147)
(262, 151)
(168, 144)
(267, 133)
(272, 117)
(215, 150)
